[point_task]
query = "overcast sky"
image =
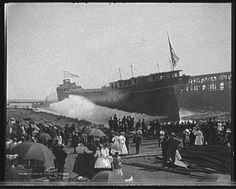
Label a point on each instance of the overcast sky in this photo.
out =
(95, 40)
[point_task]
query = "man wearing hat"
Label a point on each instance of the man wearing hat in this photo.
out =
(173, 144)
(137, 141)
(60, 155)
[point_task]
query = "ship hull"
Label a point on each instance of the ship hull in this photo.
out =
(158, 99)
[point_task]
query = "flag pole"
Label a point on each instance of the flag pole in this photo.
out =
(171, 62)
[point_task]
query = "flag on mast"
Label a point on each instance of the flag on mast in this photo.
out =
(68, 74)
(174, 57)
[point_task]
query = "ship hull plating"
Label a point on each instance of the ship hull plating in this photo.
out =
(158, 99)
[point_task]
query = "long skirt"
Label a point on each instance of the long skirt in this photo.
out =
(123, 148)
(91, 163)
(187, 139)
(199, 140)
(102, 163)
(81, 165)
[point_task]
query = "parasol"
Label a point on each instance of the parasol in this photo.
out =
(45, 136)
(36, 151)
(115, 147)
(107, 176)
(94, 132)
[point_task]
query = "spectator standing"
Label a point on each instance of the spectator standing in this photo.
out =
(164, 147)
(186, 137)
(111, 123)
(173, 144)
(117, 164)
(102, 158)
(74, 141)
(81, 164)
(137, 141)
(192, 138)
(115, 123)
(122, 144)
(13, 144)
(138, 125)
(91, 160)
(59, 138)
(60, 158)
(127, 140)
(199, 137)
(66, 135)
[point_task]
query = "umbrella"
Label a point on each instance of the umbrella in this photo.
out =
(37, 151)
(94, 132)
(45, 137)
(115, 147)
(107, 176)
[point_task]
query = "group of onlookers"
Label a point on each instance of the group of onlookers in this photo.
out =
(103, 153)
(95, 156)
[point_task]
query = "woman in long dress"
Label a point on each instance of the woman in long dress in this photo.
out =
(102, 161)
(115, 139)
(122, 145)
(199, 137)
(81, 162)
(116, 145)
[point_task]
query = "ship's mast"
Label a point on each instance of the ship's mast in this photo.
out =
(132, 70)
(120, 74)
(158, 70)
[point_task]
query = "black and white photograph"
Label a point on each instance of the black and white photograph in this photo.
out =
(122, 94)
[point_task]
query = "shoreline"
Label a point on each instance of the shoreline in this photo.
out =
(43, 116)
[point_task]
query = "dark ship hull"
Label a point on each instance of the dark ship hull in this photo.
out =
(155, 94)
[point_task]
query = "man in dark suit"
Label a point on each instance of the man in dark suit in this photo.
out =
(164, 147)
(137, 141)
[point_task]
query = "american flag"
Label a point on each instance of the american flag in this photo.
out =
(174, 57)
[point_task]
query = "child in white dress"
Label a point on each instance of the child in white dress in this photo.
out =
(102, 155)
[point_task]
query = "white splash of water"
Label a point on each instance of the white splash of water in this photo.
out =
(184, 113)
(81, 108)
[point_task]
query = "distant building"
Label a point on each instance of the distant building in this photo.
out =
(20, 105)
(24, 104)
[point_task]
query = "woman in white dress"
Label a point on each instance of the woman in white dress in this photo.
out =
(102, 155)
(116, 145)
(199, 137)
(115, 139)
(122, 145)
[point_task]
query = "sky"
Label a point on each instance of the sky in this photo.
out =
(95, 40)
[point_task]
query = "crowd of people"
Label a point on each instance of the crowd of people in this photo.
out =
(207, 132)
(95, 154)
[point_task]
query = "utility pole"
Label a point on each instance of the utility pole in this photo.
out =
(132, 71)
